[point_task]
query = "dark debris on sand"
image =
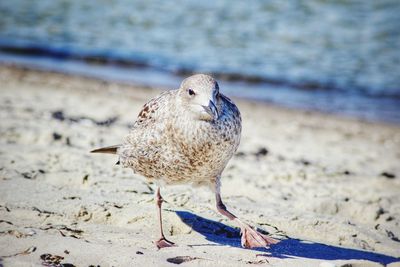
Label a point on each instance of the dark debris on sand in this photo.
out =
(261, 152)
(54, 261)
(388, 175)
(60, 116)
(181, 259)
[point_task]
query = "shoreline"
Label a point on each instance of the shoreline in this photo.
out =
(251, 101)
(380, 108)
(135, 62)
(326, 185)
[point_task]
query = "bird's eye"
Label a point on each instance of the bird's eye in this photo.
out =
(191, 92)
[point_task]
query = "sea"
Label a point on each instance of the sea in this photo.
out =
(333, 56)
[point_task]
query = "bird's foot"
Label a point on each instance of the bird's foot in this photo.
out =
(254, 239)
(164, 243)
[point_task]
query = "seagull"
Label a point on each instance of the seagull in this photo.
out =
(187, 136)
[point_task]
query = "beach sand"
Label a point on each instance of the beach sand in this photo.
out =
(329, 187)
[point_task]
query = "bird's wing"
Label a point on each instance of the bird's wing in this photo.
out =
(148, 130)
(147, 139)
(154, 110)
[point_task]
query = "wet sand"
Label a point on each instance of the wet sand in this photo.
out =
(327, 186)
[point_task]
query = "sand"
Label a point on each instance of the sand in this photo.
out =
(328, 187)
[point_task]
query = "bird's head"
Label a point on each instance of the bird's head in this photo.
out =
(200, 95)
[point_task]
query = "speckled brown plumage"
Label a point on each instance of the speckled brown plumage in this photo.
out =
(187, 135)
(167, 144)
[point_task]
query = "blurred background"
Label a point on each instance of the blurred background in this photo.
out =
(335, 56)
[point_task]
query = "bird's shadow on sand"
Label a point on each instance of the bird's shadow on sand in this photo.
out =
(222, 234)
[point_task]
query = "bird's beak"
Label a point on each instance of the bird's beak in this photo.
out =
(212, 110)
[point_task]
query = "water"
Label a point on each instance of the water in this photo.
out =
(336, 56)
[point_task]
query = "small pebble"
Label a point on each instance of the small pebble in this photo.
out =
(56, 136)
(388, 175)
(261, 152)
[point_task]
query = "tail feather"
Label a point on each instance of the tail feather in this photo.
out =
(107, 150)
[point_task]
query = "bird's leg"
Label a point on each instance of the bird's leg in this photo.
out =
(251, 238)
(162, 242)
